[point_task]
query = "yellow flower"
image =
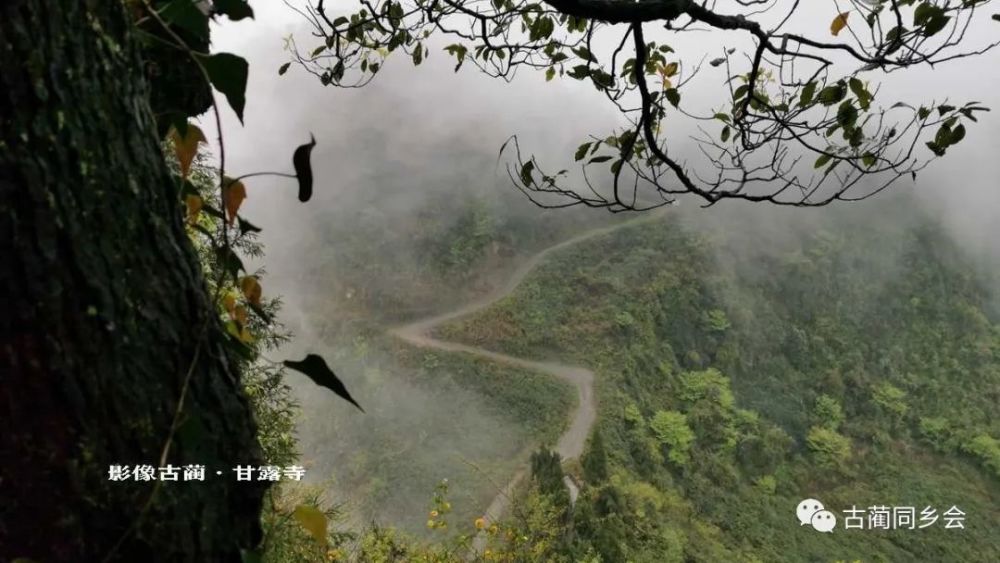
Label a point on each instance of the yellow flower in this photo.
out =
(480, 523)
(430, 523)
(434, 514)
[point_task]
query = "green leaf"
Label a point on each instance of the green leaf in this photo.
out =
(868, 159)
(585, 54)
(935, 148)
(808, 91)
(459, 51)
(315, 368)
(418, 54)
(541, 28)
(957, 134)
(313, 520)
(228, 74)
(859, 90)
(235, 9)
(581, 152)
(847, 114)
(823, 159)
(579, 72)
(673, 96)
(943, 136)
(598, 159)
(832, 94)
(616, 166)
(741, 91)
(923, 113)
(303, 168)
(283, 69)
(725, 133)
(550, 73)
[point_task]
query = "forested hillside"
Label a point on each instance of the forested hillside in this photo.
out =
(744, 367)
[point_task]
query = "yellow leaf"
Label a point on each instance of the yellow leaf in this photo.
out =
(313, 521)
(229, 302)
(251, 289)
(240, 314)
(666, 84)
(187, 146)
(233, 195)
(670, 70)
(193, 207)
(245, 336)
(839, 23)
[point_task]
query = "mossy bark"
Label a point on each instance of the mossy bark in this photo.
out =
(103, 312)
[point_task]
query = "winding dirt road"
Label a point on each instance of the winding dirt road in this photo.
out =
(572, 441)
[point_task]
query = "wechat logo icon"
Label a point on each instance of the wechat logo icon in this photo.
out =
(812, 512)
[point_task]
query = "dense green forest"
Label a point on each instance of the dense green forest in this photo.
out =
(743, 369)
(745, 361)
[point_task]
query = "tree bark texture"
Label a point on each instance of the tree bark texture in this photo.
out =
(104, 312)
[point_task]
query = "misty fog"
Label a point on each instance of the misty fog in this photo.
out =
(429, 136)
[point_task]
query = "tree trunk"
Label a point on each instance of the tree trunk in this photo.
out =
(104, 312)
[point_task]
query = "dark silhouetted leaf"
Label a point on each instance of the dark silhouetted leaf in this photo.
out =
(526, 172)
(228, 73)
(673, 96)
(228, 259)
(247, 226)
(315, 368)
(234, 9)
(186, 15)
(283, 68)
(303, 169)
